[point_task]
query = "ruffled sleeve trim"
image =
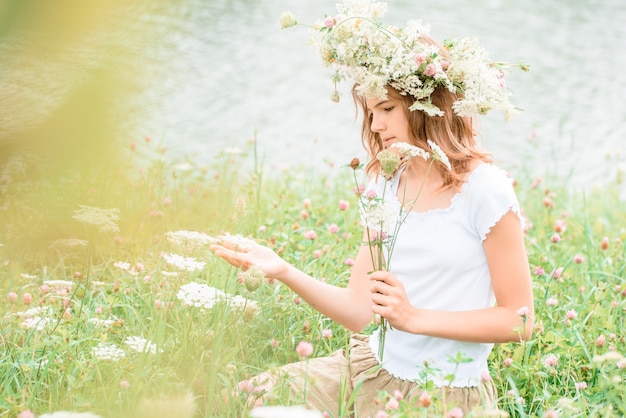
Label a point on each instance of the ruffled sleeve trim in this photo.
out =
(490, 194)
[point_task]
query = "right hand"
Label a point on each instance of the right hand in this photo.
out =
(244, 256)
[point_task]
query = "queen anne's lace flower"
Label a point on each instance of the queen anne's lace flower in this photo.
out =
(408, 150)
(200, 295)
(238, 241)
(141, 345)
(389, 162)
(287, 20)
(37, 323)
(439, 155)
(183, 263)
(253, 278)
(378, 215)
(36, 319)
(203, 296)
(101, 322)
(122, 265)
(358, 46)
(189, 239)
(108, 351)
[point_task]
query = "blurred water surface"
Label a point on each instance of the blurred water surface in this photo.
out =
(212, 73)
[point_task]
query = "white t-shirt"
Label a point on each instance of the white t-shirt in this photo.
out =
(439, 257)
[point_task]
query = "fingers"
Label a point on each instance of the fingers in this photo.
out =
(227, 245)
(382, 276)
(235, 257)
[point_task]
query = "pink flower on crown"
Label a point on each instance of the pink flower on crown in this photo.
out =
(430, 70)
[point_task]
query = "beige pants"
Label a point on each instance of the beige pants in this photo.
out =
(330, 382)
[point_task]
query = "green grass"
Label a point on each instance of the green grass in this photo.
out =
(204, 352)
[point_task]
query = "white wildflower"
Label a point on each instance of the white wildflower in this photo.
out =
(247, 307)
(108, 351)
(103, 219)
(408, 150)
(36, 319)
(28, 276)
(237, 301)
(200, 295)
(122, 265)
(37, 323)
(183, 263)
(287, 20)
(237, 241)
(104, 323)
(379, 215)
(189, 240)
(141, 345)
(439, 155)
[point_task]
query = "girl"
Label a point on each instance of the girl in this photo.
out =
(460, 280)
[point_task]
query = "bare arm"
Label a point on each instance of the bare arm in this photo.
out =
(507, 259)
(349, 306)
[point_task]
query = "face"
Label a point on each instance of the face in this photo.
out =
(388, 119)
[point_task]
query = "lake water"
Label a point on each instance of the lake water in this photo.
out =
(220, 71)
(227, 71)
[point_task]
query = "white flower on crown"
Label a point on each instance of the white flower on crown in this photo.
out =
(359, 47)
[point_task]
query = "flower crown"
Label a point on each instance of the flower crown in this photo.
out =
(359, 47)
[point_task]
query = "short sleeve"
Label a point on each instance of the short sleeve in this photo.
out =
(490, 196)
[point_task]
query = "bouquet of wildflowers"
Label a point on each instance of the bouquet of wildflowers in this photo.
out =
(383, 221)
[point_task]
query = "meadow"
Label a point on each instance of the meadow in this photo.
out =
(113, 304)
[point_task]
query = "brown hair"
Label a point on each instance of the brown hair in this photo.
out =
(455, 135)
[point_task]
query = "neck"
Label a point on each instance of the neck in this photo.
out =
(421, 169)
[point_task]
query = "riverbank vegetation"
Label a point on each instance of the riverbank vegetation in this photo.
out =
(113, 304)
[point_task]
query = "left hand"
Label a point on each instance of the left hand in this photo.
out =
(390, 300)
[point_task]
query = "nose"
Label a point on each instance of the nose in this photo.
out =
(377, 124)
